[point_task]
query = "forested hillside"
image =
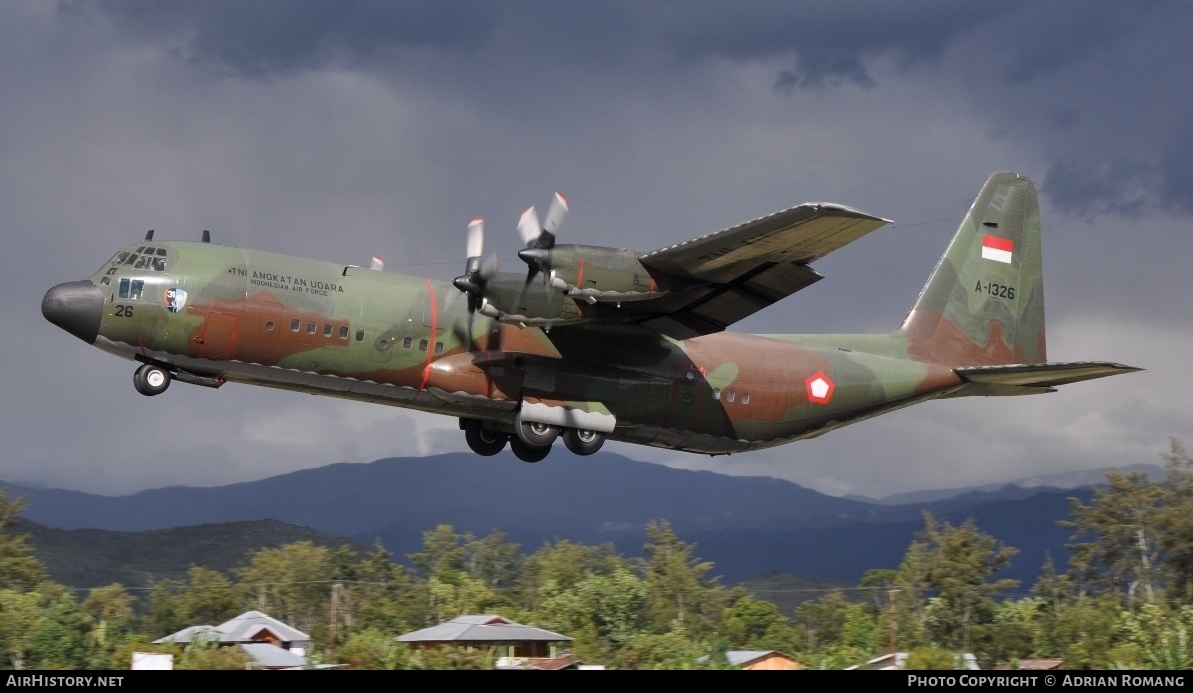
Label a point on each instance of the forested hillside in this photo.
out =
(1124, 600)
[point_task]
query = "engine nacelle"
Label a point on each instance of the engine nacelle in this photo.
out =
(594, 273)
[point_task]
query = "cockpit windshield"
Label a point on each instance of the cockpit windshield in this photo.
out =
(149, 258)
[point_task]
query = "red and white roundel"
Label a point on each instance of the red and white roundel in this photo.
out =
(820, 388)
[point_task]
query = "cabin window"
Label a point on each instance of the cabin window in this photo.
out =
(311, 327)
(438, 347)
(294, 325)
(407, 343)
(326, 330)
(745, 398)
(344, 332)
(269, 325)
(143, 262)
(360, 335)
(716, 393)
(423, 344)
(132, 257)
(729, 395)
(159, 262)
(120, 257)
(105, 280)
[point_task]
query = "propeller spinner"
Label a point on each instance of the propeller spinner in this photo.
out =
(540, 239)
(476, 273)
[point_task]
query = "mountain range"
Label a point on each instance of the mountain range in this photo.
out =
(747, 526)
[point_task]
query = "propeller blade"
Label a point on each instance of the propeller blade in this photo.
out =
(377, 264)
(489, 268)
(476, 238)
(528, 226)
(555, 215)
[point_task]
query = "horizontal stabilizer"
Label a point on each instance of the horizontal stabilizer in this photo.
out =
(1025, 379)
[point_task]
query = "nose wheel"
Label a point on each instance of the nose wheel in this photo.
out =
(151, 379)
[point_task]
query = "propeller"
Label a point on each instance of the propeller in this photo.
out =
(377, 263)
(476, 273)
(540, 239)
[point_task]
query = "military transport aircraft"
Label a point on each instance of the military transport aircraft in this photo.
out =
(591, 342)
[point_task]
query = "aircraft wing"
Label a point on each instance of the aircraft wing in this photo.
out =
(720, 278)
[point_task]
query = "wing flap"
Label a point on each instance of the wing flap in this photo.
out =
(711, 308)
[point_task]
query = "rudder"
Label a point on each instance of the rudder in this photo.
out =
(984, 302)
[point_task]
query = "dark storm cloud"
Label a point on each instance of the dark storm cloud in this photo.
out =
(829, 42)
(267, 38)
(1015, 59)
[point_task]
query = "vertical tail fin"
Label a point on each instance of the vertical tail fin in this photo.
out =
(984, 302)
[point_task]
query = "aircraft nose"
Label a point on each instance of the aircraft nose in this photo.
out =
(76, 307)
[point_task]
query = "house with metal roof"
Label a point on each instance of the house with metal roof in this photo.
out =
(512, 643)
(757, 660)
(268, 642)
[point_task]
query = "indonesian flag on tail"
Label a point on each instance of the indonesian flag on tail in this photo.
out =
(997, 249)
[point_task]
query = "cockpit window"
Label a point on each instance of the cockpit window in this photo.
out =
(149, 258)
(131, 289)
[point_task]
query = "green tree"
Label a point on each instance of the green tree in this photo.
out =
(1162, 639)
(453, 658)
(112, 621)
(749, 623)
(63, 638)
(1123, 522)
(457, 594)
(21, 621)
(374, 649)
(291, 583)
(956, 565)
(1085, 631)
(931, 659)
(1176, 519)
(386, 596)
(672, 650)
(442, 552)
(19, 568)
(562, 565)
(677, 591)
(819, 622)
(495, 560)
(209, 597)
(600, 612)
(209, 655)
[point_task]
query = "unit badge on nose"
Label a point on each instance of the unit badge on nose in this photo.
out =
(174, 299)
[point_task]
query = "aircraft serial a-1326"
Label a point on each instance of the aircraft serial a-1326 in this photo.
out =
(591, 343)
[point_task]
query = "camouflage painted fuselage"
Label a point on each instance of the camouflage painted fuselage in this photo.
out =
(213, 313)
(269, 319)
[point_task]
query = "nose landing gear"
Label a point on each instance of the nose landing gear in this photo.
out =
(151, 379)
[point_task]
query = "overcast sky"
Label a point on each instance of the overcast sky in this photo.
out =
(340, 130)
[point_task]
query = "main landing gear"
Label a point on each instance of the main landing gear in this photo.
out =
(530, 441)
(151, 379)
